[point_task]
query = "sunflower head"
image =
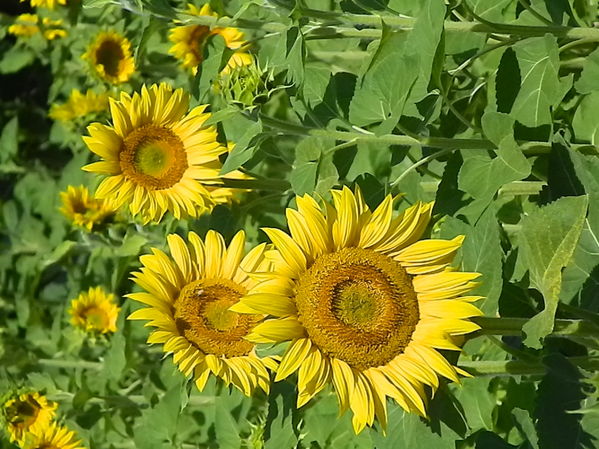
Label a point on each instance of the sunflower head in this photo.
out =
(94, 311)
(79, 105)
(25, 25)
(364, 302)
(84, 210)
(189, 40)
(189, 295)
(27, 412)
(110, 57)
(156, 154)
(52, 436)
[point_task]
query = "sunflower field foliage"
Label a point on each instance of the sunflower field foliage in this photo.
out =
(279, 224)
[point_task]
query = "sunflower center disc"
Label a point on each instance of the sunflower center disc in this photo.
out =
(197, 39)
(203, 317)
(96, 317)
(358, 306)
(23, 413)
(109, 54)
(153, 157)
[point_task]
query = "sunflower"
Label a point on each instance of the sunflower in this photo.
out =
(27, 412)
(83, 209)
(110, 57)
(156, 154)
(27, 25)
(95, 311)
(53, 436)
(189, 40)
(189, 295)
(364, 303)
(79, 105)
(50, 4)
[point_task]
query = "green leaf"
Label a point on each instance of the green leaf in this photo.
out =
(15, 59)
(244, 148)
(159, 424)
(491, 10)
(480, 175)
(548, 238)
(384, 89)
(477, 402)
(526, 426)
(279, 432)
(481, 253)
(226, 428)
(589, 77)
(541, 88)
(585, 123)
(9, 143)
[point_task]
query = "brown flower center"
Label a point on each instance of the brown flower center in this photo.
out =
(203, 317)
(110, 54)
(358, 306)
(154, 157)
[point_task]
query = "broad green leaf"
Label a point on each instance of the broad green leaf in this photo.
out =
(384, 89)
(15, 59)
(491, 10)
(481, 253)
(589, 77)
(585, 123)
(279, 432)
(541, 88)
(478, 403)
(226, 428)
(480, 175)
(559, 394)
(9, 143)
(408, 431)
(526, 426)
(244, 148)
(547, 240)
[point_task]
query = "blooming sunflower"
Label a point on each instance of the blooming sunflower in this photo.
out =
(79, 105)
(95, 311)
(27, 412)
(364, 303)
(50, 4)
(53, 436)
(156, 154)
(84, 210)
(26, 25)
(110, 57)
(189, 295)
(189, 40)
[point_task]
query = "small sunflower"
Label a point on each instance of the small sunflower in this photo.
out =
(83, 209)
(110, 57)
(156, 154)
(364, 303)
(189, 40)
(189, 295)
(79, 105)
(27, 25)
(95, 311)
(53, 436)
(50, 4)
(27, 412)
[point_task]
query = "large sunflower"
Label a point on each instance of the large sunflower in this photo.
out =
(189, 295)
(156, 153)
(189, 40)
(364, 303)
(95, 311)
(53, 436)
(110, 57)
(27, 412)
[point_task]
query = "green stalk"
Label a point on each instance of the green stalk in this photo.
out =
(513, 326)
(278, 185)
(333, 19)
(520, 367)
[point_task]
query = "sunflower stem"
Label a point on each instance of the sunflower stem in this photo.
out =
(287, 128)
(519, 367)
(58, 363)
(513, 327)
(278, 185)
(331, 19)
